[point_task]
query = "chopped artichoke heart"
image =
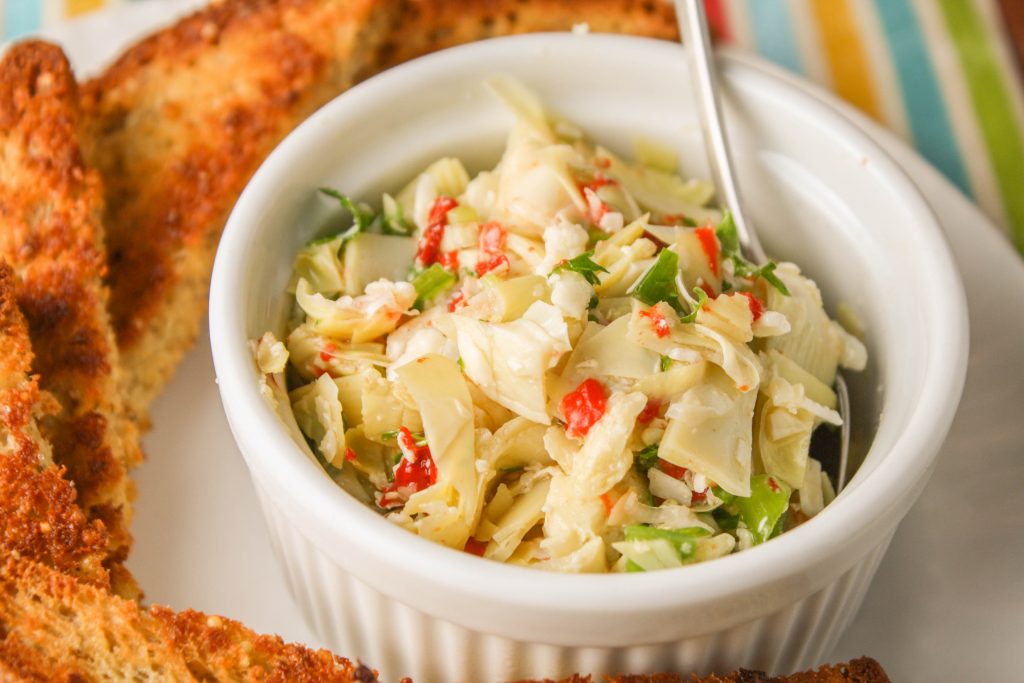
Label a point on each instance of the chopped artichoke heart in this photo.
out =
(508, 361)
(603, 460)
(661, 192)
(712, 433)
(440, 393)
(812, 343)
(524, 514)
(318, 263)
(369, 257)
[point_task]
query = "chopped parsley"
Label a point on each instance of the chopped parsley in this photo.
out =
(659, 282)
(728, 237)
(585, 266)
(645, 459)
(702, 296)
(390, 221)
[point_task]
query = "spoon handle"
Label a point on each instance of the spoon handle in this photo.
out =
(693, 28)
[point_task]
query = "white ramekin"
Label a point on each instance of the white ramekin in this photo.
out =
(823, 195)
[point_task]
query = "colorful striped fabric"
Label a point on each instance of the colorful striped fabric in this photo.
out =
(944, 74)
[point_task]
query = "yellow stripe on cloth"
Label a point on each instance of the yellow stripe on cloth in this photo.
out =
(73, 8)
(846, 56)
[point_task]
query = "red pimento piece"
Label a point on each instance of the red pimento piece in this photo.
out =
(458, 302)
(674, 219)
(449, 260)
(672, 470)
(699, 496)
(328, 352)
(491, 247)
(350, 455)
(709, 243)
(603, 162)
(707, 289)
(494, 263)
(416, 470)
(608, 503)
(430, 244)
(475, 547)
(650, 411)
(658, 323)
(599, 181)
(773, 485)
(584, 406)
(756, 307)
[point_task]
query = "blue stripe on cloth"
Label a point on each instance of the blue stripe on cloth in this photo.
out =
(922, 98)
(21, 17)
(773, 33)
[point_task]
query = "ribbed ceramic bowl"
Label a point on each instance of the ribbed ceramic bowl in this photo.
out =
(823, 195)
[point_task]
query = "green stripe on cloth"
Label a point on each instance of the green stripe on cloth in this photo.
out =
(991, 100)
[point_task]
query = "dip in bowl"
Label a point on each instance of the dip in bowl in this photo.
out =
(824, 197)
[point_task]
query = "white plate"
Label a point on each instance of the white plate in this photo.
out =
(947, 603)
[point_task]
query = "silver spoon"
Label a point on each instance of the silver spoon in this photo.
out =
(693, 30)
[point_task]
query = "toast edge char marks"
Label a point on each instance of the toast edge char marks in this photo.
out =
(181, 121)
(51, 233)
(53, 627)
(39, 518)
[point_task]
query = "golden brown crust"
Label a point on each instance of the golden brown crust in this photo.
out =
(53, 627)
(39, 518)
(177, 126)
(51, 232)
(862, 670)
(423, 26)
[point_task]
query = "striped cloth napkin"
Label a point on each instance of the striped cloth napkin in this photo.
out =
(943, 74)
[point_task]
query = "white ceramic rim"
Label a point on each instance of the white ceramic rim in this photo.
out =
(853, 516)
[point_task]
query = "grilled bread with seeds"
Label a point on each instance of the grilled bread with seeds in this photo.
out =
(39, 518)
(51, 234)
(54, 627)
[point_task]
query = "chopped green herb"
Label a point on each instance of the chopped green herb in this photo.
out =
(592, 304)
(363, 216)
(702, 296)
(744, 268)
(729, 238)
(659, 282)
(666, 363)
(596, 235)
(645, 459)
(461, 363)
(511, 468)
(585, 266)
(320, 241)
(431, 282)
(417, 437)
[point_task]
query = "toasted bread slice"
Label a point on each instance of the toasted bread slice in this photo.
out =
(39, 518)
(423, 26)
(51, 233)
(182, 120)
(53, 627)
(863, 670)
(177, 126)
